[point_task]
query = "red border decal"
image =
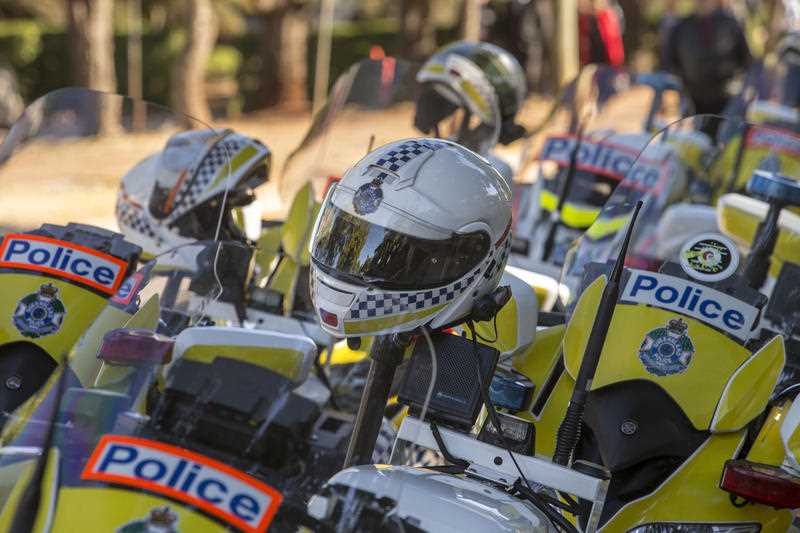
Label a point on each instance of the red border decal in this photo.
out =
(59, 272)
(192, 465)
(135, 281)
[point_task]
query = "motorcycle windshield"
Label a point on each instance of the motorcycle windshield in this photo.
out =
(676, 234)
(79, 169)
(133, 375)
(575, 169)
(195, 427)
(375, 102)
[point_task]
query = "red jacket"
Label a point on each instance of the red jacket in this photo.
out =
(601, 38)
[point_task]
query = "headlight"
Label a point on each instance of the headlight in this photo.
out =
(696, 528)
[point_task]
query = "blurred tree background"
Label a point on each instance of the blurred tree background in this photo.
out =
(219, 58)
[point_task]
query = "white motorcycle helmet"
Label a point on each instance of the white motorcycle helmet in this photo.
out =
(483, 82)
(174, 196)
(412, 235)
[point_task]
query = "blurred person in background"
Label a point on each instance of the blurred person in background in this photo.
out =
(669, 19)
(600, 32)
(707, 50)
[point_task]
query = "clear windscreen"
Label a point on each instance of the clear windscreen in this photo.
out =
(157, 376)
(605, 99)
(375, 102)
(730, 196)
(608, 117)
(125, 341)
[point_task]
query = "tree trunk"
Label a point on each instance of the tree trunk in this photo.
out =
(91, 33)
(293, 60)
(284, 55)
(417, 31)
(471, 21)
(189, 77)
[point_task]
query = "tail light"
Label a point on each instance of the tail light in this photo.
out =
(759, 483)
(135, 347)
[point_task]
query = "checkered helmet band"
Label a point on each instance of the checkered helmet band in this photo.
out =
(395, 159)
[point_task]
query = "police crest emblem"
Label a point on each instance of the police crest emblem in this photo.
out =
(667, 350)
(160, 520)
(40, 313)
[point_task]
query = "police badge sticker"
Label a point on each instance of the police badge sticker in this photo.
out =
(40, 313)
(160, 520)
(709, 257)
(669, 350)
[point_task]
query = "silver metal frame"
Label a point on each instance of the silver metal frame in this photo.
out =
(484, 459)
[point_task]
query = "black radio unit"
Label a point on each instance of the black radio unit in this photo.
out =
(456, 396)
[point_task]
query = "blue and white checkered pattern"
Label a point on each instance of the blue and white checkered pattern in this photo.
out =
(372, 305)
(499, 262)
(406, 152)
(193, 189)
(133, 217)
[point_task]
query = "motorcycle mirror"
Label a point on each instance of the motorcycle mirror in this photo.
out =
(135, 347)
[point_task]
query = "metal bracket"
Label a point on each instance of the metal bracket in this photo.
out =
(494, 464)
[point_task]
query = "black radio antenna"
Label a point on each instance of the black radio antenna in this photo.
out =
(570, 429)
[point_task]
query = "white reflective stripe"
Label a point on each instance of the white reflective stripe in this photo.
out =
(698, 301)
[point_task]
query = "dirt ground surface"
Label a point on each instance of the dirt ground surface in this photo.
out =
(77, 180)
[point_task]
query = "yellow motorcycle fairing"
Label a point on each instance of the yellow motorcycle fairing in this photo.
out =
(84, 364)
(268, 248)
(768, 447)
(48, 499)
(717, 360)
(692, 495)
(726, 387)
(81, 308)
(281, 266)
(107, 509)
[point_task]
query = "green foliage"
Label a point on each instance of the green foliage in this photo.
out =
(21, 40)
(224, 62)
(40, 56)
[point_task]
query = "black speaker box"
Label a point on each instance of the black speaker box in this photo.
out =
(456, 397)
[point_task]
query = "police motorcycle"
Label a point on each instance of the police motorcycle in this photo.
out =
(215, 429)
(608, 116)
(665, 390)
(59, 161)
(691, 439)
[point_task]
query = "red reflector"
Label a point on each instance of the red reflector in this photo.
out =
(759, 483)
(329, 318)
(134, 347)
